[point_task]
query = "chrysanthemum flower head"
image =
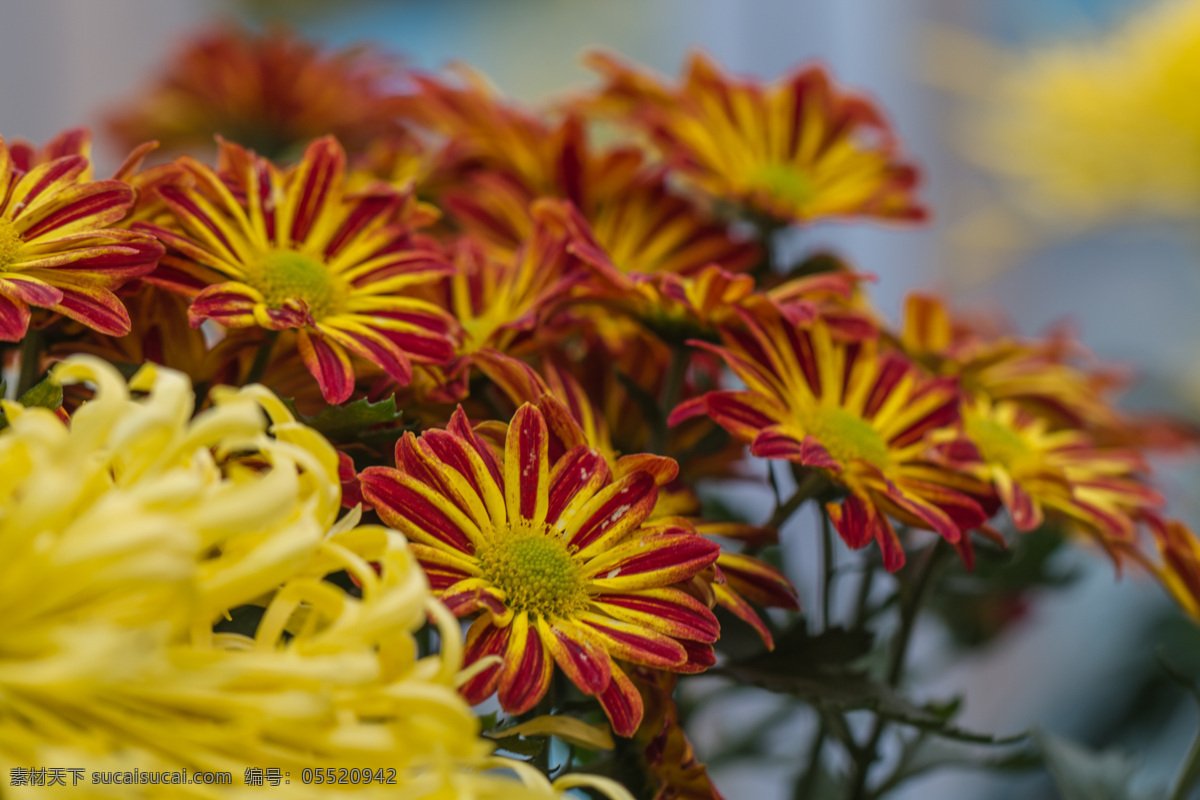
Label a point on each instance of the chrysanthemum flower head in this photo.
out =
(260, 246)
(862, 417)
(1039, 469)
(556, 553)
(502, 300)
(637, 220)
(792, 151)
(271, 91)
(1042, 375)
(59, 245)
(1092, 129)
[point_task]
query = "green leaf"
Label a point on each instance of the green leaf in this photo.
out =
(519, 746)
(351, 420)
(816, 264)
(1082, 774)
(925, 753)
(46, 394)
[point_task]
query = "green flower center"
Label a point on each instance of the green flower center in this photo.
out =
(783, 182)
(847, 436)
(997, 443)
(283, 275)
(536, 573)
(10, 243)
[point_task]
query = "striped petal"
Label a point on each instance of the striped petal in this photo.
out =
(662, 468)
(474, 594)
(528, 667)
(231, 304)
(75, 208)
(613, 513)
(735, 604)
(30, 290)
(667, 610)
(14, 318)
(778, 442)
(329, 364)
(526, 466)
(587, 665)
(460, 473)
(41, 182)
(758, 581)
(743, 414)
(700, 656)
(418, 511)
(316, 174)
(630, 642)
(110, 256)
(483, 639)
(371, 346)
(622, 703)
(576, 478)
(460, 426)
(651, 561)
(93, 306)
(857, 522)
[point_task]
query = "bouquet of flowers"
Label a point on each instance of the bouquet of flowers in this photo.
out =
(386, 447)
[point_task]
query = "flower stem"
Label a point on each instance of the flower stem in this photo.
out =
(31, 358)
(810, 485)
(909, 609)
(805, 786)
(672, 390)
(261, 358)
(826, 565)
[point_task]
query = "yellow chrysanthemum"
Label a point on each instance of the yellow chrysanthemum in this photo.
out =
(126, 534)
(1094, 129)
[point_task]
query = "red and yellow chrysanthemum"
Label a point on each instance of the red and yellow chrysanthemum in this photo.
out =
(259, 246)
(1180, 568)
(273, 92)
(1039, 469)
(1037, 374)
(862, 417)
(643, 227)
(501, 299)
(557, 555)
(59, 245)
(474, 128)
(735, 580)
(794, 151)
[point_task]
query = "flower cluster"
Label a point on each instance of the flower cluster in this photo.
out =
(503, 365)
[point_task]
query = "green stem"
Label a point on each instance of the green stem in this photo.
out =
(1189, 775)
(31, 361)
(864, 595)
(811, 485)
(826, 564)
(672, 390)
(909, 609)
(262, 358)
(805, 786)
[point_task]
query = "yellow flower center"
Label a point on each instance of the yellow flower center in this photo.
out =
(283, 275)
(783, 182)
(536, 573)
(10, 243)
(847, 436)
(997, 443)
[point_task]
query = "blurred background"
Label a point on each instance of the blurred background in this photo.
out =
(1079, 660)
